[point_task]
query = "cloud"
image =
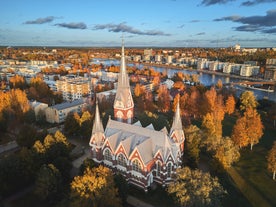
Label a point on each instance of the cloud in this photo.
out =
(122, 27)
(252, 3)
(194, 21)
(245, 3)
(182, 26)
(201, 33)
(72, 25)
(270, 31)
(254, 23)
(212, 2)
(41, 20)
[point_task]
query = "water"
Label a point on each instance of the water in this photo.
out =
(204, 78)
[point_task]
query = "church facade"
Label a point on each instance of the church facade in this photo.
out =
(141, 154)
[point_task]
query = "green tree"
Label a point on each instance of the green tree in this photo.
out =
(195, 188)
(271, 160)
(94, 187)
(48, 183)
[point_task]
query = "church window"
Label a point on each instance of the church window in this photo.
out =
(107, 155)
(169, 169)
(121, 160)
(136, 166)
(158, 168)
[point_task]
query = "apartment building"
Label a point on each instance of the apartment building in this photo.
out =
(59, 112)
(73, 88)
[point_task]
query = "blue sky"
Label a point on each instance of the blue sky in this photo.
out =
(144, 23)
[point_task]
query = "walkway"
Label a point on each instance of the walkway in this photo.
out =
(136, 202)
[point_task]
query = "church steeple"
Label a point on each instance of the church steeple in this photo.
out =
(97, 137)
(123, 103)
(177, 133)
(123, 80)
(177, 123)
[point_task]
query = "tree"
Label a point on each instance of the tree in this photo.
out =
(164, 101)
(227, 153)
(94, 187)
(271, 160)
(248, 129)
(87, 163)
(248, 100)
(27, 136)
(195, 188)
(71, 124)
(48, 183)
(230, 105)
(219, 84)
(192, 145)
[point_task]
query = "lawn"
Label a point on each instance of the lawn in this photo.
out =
(252, 167)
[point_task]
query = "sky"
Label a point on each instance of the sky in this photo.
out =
(142, 23)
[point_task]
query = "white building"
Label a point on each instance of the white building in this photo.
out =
(59, 112)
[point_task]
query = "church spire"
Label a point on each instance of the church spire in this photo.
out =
(177, 123)
(123, 80)
(177, 133)
(123, 103)
(97, 125)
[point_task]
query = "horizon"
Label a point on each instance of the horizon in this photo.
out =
(156, 23)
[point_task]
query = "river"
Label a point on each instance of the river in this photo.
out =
(204, 78)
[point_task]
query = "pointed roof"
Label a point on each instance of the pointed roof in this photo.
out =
(97, 125)
(123, 80)
(177, 123)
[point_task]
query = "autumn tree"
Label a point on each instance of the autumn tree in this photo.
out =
(163, 101)
(17, 81)
(248, 100)
(71, 124)
(248, 129)
(271, 160)
(94, 187)
(219, 84)
(230, 104)
(212, 120)
(227, 153)
(195, 188)
(193, 138)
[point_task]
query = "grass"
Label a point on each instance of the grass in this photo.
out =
(250, 173)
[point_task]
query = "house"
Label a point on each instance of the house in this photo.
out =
(141, 154)
(59, 112)
(39, 108)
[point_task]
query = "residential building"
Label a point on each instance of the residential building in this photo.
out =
(39, 108)
(59, 112)
(142, 155)
(249, 70)
(270, 72)
(73, 88)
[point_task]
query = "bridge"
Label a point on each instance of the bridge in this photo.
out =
(250, 83)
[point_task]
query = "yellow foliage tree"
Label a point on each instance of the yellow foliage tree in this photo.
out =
(95, 188)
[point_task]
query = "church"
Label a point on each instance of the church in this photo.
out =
(141, 154)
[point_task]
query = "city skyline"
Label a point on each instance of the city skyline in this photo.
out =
(156, 23)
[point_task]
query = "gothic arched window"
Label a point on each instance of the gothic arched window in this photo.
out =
(121, 160)
(158, 168)
(136, 165)
(107, 155)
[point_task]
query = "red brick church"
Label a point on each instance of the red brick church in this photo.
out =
(142, 154)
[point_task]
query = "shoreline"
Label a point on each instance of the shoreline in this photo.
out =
(201, 71)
